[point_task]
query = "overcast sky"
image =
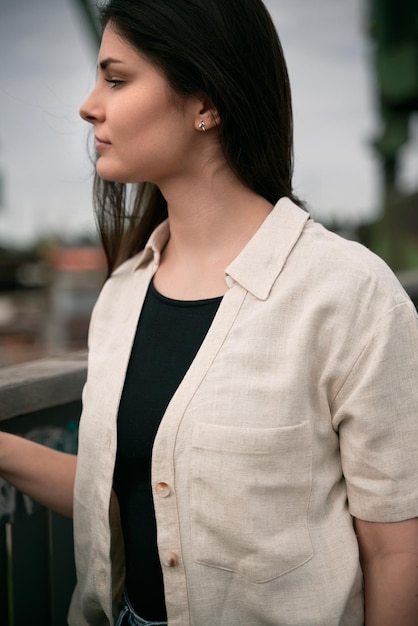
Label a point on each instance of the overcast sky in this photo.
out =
(48, 67)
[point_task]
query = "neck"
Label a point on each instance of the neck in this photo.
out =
(211, 220)
(213, 217)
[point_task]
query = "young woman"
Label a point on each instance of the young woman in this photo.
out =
(247, 448)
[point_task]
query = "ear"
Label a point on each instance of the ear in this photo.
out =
(206, 113)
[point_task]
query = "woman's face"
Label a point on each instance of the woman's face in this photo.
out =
(144, 131)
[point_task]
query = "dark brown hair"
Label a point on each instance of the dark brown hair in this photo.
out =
(230, 51)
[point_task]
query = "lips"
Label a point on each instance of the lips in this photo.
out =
(101, 144)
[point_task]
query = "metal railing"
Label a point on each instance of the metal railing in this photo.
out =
(42, 401)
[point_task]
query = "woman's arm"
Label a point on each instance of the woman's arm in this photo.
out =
(389, 558)
(42, 473)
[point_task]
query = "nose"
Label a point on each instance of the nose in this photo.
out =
(90, 110)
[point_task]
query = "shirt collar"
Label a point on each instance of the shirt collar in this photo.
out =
(155, 245)
(262, 259)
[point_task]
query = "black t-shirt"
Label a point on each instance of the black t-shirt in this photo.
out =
(168, 336)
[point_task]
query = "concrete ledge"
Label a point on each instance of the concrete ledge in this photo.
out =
(41, 384)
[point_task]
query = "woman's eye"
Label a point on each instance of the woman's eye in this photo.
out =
(114, 82)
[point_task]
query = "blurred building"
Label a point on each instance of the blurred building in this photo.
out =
(45, 303)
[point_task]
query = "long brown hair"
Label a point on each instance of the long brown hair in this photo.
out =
(230, 51)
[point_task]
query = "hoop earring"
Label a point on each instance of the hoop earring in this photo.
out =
(202, 126)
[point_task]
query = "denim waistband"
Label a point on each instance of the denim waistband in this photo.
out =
(128, 617)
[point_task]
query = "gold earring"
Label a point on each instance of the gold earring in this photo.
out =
(202, 126)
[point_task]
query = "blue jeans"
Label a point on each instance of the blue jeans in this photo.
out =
(128, 617)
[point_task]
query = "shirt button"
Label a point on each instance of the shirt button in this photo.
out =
(170, 559)
(162, 490)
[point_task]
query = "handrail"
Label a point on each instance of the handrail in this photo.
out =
(40, 400)
(41, 384)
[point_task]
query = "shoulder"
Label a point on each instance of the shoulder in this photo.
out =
(347, 268)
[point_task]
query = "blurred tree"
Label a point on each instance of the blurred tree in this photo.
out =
(394, 29)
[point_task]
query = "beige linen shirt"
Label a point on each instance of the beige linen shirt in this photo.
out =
(298, 412)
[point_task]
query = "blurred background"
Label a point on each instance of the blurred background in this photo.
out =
(353, 67)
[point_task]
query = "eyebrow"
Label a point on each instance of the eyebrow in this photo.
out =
(106, 62)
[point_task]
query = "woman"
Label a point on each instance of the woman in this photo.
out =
(247, 448)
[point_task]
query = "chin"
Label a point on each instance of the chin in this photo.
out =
(113, 176)
(110, 176)
(112, 179)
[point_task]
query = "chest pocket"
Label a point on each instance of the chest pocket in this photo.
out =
(249, 499)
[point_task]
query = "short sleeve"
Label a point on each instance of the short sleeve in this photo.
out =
(376, 416)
